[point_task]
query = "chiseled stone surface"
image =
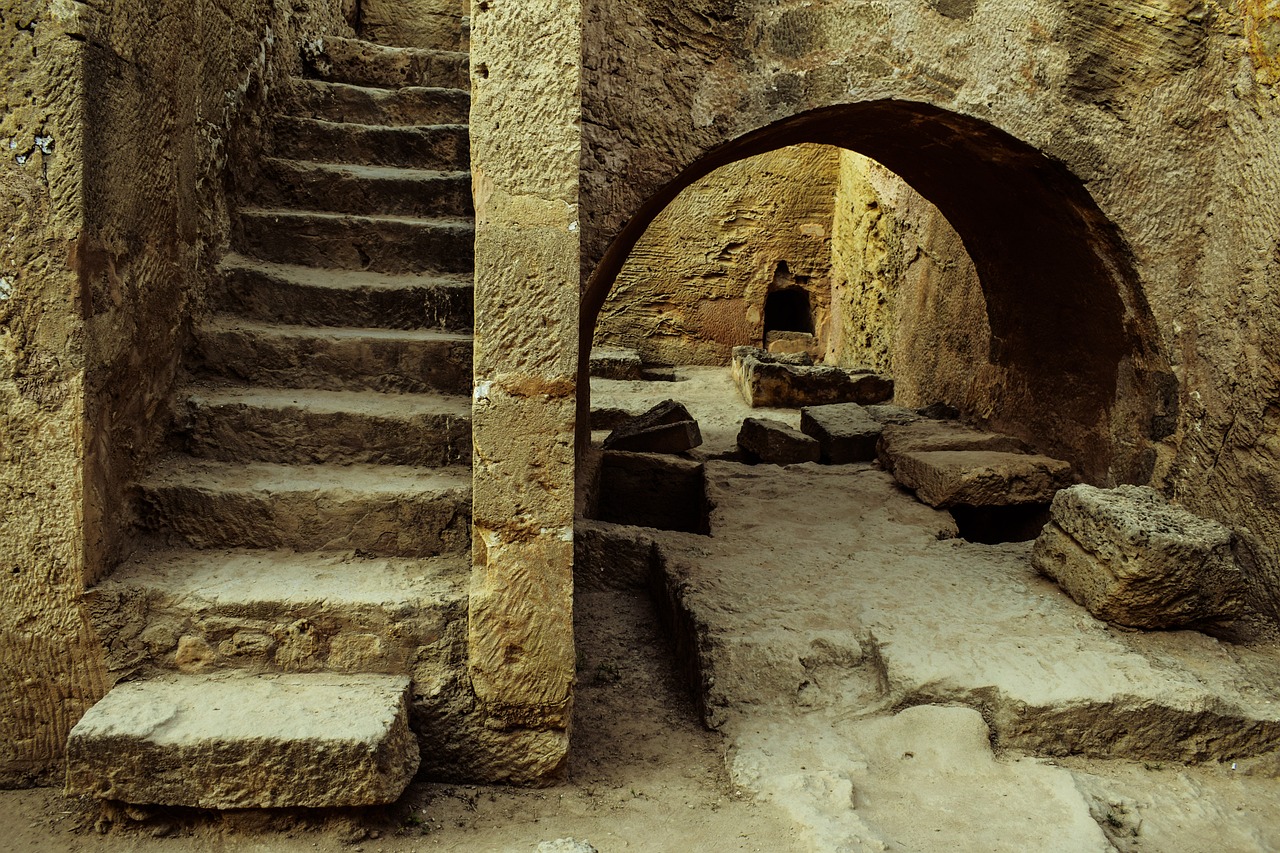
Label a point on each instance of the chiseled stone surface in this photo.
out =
(616, 363)
(666, 428)
(791, 380)
(775, 443)
(944, 478)
(917, 435)
(845, 432)
(1133, 558)
(230, 740)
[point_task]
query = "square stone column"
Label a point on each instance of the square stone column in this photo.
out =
(525, 144)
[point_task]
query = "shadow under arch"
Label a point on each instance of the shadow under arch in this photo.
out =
(1075, 369)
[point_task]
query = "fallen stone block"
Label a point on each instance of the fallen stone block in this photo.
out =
(944, 478)
(784, 381)
(845, 432)
(666, 428)
(614, 363)
(923, 435)
(775, 443)
(233, 740)
(1133, 558)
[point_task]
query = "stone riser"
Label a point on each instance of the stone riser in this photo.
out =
(380, 523)
(302, 296)
(444, 147)
(296, 357)
(343, 102)
(362, 191)
(435, 31)
(334, 241)
(366, 64)
(234, 431)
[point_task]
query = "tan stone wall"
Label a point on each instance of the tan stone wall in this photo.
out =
(905, 294)
(139, 105)
(695, 285)
(1111, 167)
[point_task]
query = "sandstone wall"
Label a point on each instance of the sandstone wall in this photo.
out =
(696, 283)
(120, 118)
(1112, 168)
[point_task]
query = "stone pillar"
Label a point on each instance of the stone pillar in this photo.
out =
(525, 143)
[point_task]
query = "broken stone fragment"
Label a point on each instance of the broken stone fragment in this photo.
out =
(616, 364)
(919, 435)
(774, 443)
(945, 478)
(767, 379)
(844, 431)
(666, 428)
(1131, 557)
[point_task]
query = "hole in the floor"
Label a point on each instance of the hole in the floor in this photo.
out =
(991, 525)
(654, 490)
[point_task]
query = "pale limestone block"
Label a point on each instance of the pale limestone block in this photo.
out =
(944, 478)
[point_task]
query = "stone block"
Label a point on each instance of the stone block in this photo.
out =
(666, 428)
(944, 478)
(1133, 558)
(845, 432)
(653, 490)
(616, 364)
(889, 414)
(787, 343)
(231, 740)
(922, 435)
(786, 381)
(775, 443)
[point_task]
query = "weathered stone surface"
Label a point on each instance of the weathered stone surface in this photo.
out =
(919, 435)
(611, 556)
(774, 443)
(366, 63)
(371, 105)
(1133, 558)
(845, 432)
(773, 380)
(945, 478)
(616, 363)
(230, 740)
(889, 414)
(666, 428)
(652, 490)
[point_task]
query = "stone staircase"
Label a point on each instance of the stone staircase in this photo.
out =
(300, 597)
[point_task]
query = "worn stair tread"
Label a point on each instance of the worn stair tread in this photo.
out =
(343, 279)
(373, 173)
(393, 106)
(377, 403)
(248, 576)
(231, 323)
(230, 739)
(460, 223)
(354, 60)
(442, 146)
(275, 478)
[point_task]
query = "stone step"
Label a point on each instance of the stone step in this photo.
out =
(362, 190)
(309, 426)
(380, 510)
(311, 296)
(264, 610)
(408, 105)
(364, 63)
(387, 244)
(387, 24)
(332, 358)
(446, 147)
(229, 740)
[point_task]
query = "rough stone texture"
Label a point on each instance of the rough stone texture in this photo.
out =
(616, 363)
(913, 434)
(652, 490)
(416, 23)
(775, 443)
(845, 432)
(611, 556)
(1133, 558)
(695, 285)
(231, 741)
(944, 478)
(666, 428)
(769, 380)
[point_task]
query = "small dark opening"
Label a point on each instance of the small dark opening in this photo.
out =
(991, 525)
(788, 311)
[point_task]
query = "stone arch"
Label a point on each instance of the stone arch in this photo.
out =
(1074, 365)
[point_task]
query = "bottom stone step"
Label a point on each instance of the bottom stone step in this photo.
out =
(229, 740)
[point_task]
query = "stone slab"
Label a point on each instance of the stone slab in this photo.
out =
(231, 740)
(919, 434)
(624, 364)
(666, 428)
(774, 443)
(1132, 557)
(845, 432)
(773, 380)
(655, 490)
(943, 478)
